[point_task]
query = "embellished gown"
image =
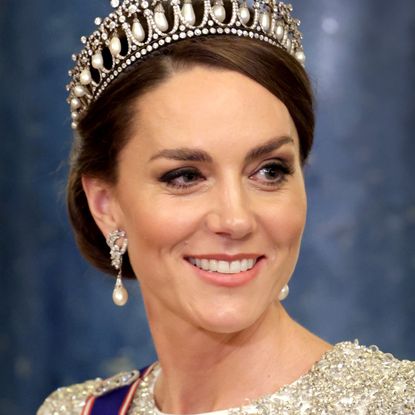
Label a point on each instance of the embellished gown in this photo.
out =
(348, 379)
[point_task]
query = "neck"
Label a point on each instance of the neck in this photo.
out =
(200, 368)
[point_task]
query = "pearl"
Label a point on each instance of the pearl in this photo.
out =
(85, 77)
(219, 12)
(288, 44)
(244, 12)
(138, 31)
(75, 116)
(74, 125)
(115, 3)
(161, 21)
(188, 12)
(115, 46)
(300, 56)
(97, 61)
(79, 91)
(279, 31)
(119, 295)
(75, 103)
(265, 21)
(284, 293)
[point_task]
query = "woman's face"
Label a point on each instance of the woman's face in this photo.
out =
(212, 170)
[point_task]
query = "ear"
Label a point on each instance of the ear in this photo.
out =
(102, 204)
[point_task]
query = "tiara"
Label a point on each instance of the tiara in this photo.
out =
(135, 28)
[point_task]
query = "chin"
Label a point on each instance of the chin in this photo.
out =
(229, 321)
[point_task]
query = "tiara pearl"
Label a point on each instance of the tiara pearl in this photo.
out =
(134, 29)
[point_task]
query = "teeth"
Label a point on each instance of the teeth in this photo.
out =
(224, 267)
(213, 265)
(205, 264)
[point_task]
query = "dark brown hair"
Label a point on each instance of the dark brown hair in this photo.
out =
(105, 129)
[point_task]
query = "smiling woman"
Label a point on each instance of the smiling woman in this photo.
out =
(189, 165)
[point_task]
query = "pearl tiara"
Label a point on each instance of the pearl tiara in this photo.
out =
(135, 28)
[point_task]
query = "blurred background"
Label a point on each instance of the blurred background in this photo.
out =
(355, 277)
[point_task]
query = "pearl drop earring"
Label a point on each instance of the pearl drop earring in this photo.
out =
(284, 293)
(118, 243)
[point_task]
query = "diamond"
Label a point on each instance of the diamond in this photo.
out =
(132, 9)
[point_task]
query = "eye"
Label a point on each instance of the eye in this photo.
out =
(274, 173)
(182, 178)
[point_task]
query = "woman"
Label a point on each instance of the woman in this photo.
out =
(188, 163)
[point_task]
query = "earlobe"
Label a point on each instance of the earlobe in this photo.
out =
(100, 197)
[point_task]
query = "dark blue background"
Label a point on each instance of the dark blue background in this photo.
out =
(355, 277)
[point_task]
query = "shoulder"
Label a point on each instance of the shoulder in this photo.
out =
(371, 378)
(71, 400)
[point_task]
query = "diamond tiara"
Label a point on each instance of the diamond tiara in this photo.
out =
(136, 28)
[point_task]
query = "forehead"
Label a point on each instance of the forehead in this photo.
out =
(209, 108)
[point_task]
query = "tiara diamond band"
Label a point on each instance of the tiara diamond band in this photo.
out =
(135, 28)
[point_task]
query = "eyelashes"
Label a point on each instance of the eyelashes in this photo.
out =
(271, 174)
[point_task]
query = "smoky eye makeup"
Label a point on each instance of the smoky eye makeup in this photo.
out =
(271, 173)
(187, 175)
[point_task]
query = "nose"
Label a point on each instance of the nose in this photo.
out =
(230, 213)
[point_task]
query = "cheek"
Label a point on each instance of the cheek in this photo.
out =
(287, 220)
(156, 227)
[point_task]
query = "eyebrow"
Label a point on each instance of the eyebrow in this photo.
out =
(192, 154)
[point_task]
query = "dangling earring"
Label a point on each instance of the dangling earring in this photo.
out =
(118, 243)
(284, 292)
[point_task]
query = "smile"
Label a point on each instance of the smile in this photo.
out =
(223, 267)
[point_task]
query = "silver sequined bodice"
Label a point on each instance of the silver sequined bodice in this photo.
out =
(349, 379)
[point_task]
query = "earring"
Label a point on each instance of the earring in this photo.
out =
(284, 292)
(118, 243)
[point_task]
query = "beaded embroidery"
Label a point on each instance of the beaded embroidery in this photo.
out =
(349, 379)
